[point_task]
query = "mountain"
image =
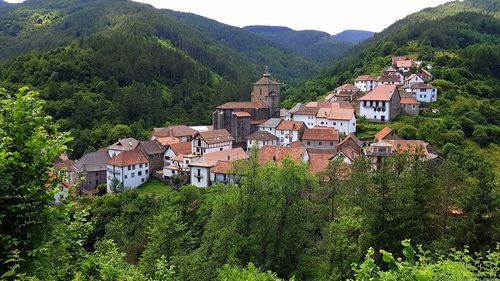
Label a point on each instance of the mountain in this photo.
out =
(130, 67)
(461, 41)
(353, 36)
(315, 45)
(3, 3)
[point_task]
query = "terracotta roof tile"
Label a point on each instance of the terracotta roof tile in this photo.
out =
(381, 93)
(174, 131)
(367, 78)
(167, 140)
(321, 133)
(421, 85)
(353, 137)
(210, 159)
(290, 125)
(241, 114)
(404, 63)
(216, 136)
(318, 162)
(181, 148)
(278, 153)
(347, 87)
(395, 59)
(380, 135)
(124, 144)
(222, 167)
(128, 157)
(409, 100)
(337, 111)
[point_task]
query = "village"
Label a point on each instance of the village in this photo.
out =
(314, 133)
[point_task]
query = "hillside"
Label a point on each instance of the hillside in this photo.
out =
(131, 67)
(461, 41)
(316, 45)
(353, 36)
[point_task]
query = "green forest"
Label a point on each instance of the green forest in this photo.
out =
(69, 84)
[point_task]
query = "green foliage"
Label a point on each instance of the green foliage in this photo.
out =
(234, 273)
(29, 141)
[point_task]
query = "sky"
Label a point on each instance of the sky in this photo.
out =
(332, 16)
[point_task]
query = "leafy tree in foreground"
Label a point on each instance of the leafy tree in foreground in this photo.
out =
(29, 141)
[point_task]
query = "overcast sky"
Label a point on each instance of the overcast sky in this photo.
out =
(331, 16)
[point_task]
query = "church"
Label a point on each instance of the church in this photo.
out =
(242, 119)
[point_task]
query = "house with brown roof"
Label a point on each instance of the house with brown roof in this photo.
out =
(366, 83)
(404, 65)
(212, 141)
(321, 138)
(410, 104)
(386, 134)
(90, 172)
(261, 138)
(425, 74)
(269, 153)
(306, 114)
(200, 169)
(390, 80)
(349, 148)
(177, 158)
(377, 151)
(243, 118)
(224, 172)
(381, 104)
(122, 145)
(182, 132)
(413, 79)
(289, 131)
(270, 125)
(423, 92)
(395, 59)
(154, 151)
(130, 167)
(318, 162)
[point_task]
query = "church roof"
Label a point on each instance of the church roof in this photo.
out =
(242, 105)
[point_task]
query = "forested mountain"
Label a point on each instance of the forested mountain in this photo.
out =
(353, 36)
(123, 67)
(461, 41)
(316, 45)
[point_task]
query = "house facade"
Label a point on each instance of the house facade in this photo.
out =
(212, 141)
(182, 132)
(289, 131)
(90, 172)
(423, 92)
(413, 79)
(381, 104)
(122, 145)
(131, 168)
(261, 138)
(366, 83)
(200, 169)
(323, 138)
(154, 151)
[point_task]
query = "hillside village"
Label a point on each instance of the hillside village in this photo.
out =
(315, 133)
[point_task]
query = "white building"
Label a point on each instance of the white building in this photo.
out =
(306, 115)
(212, 141)
(200, 169)
(176, 159)
(130, 167)
(289, 131)
(270, 125)
(261, 138)
(122, 145)
(339, 116)
(413, 79)
(423, 92)
(381, 104)
(366, 83)
(181, 132)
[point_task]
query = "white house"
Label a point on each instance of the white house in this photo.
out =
(340, 116)
(306, 115)
(270, 125)
(176, 159)
(260, 138)
(423, 92)
(413, 79)
(122, 145)
(366, 83)
(380, 104)
(396, 79)
(289, 131)
(212, 141)
(62, 192)
(200, 169)
(130, 167)
(181, 132)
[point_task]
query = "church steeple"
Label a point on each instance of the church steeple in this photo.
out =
(266, 72)
(267, 91)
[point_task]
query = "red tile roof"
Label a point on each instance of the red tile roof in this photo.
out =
(318, 162)
(347, 87)
(388, 78)
(262, 136)
(353, 137)
(128, 157)
(421, 85)
(290, 125)
(257, 121)
(381, 93)
(216, 136)
(380, 135)
(404, 63)
(278, 153)
(211, 159)
(241, 114)
(411, 146)
(167, 140)
(321, 134)
(409, 100)
(367, 78)
(181, 148)
(395, 59)
(174, 131)
(124, 144)
(242, 105)
(222, 167)
(337, 111)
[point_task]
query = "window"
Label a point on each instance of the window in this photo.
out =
(376, 103)
(139, 173)
(375, 117)
(126, 177)
(129, 168)
(140, 165)
(322, 122)
(132, 175)
(383, 109)
(146, 171)
(142, 180)
(308, 143)
(90, 181)
(221, 149)
(334, 123)
(341, 124)
(133, 167)
(282, 132)
(371, 103)
(320, 143)
(96, 173)
(364, 103)
(331, 143)
(146, 165)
